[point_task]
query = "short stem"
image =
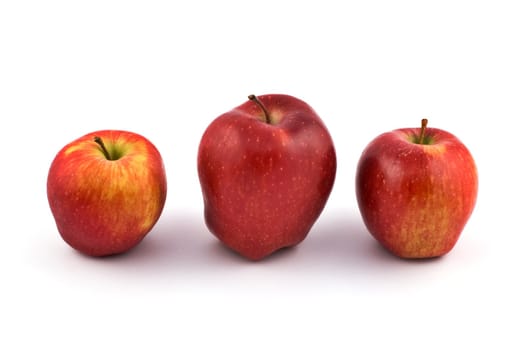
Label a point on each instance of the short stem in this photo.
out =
(422, 131)
(98, 140)
(258, 102)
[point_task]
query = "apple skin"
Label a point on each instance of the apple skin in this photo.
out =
(415, 199)
(264, 184)
(101, 206)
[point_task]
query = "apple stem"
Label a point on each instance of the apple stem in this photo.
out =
(422, 131)
(258, 102)
(98, 140)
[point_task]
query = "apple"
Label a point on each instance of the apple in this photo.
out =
(266, 170)
(106, 190)
(416, 189)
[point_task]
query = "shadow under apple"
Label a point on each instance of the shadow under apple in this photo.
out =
(338, 246)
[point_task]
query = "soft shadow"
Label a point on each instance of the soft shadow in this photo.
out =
(342, 243)
(174, 239)
(179, 242)
(338, 245)
(221, 251)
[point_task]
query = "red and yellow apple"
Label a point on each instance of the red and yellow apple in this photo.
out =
(266, 170)
(106, 190)
(416, 189)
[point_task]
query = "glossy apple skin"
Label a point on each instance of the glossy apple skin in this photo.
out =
(415, 199)
(264, 185)
(105, 207)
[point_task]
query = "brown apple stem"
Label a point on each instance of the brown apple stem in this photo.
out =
(422, 131)
(258, 102)
(98, 140)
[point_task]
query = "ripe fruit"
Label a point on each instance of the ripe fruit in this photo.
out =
(106, 190)
(416, 189)
(266, 170)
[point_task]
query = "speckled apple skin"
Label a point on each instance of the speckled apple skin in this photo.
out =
(416, 199)
(105, 207)
(265, 184)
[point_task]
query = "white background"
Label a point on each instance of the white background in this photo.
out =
(166, 70)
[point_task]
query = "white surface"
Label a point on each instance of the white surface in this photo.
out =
(165, 70)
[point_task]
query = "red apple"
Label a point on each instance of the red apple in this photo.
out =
(416, 189)
(106, 190)
(266, 170)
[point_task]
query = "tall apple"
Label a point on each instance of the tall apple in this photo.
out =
(416, 189)
(266, 170)
(106, 190)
